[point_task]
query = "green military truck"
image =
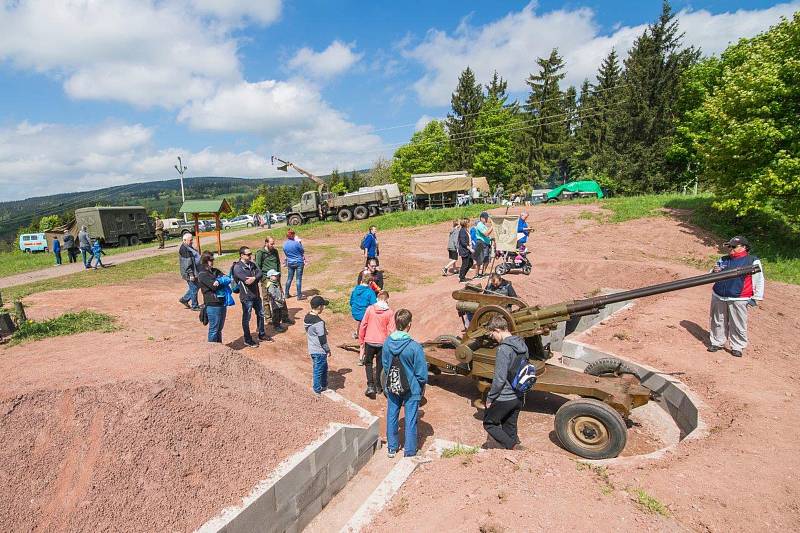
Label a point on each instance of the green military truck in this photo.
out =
(116, 226)
(323, 206)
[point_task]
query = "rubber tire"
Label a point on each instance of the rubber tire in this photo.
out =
(249, 224)
(344, 215)
(605, 414)
(360, 212)
(185, 231)
(553, 200)
(501, 269)
(134, 240)
(122, 242)
(526, 269)
(452, 340)
(373, 211)
(28, 250)
(609, 366)
(387, 209)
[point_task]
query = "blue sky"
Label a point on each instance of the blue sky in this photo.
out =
(106, 93)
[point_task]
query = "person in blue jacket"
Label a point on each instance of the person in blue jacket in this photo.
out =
(295, 261)
(361, 297)
(97, 254)
(370, 245)
(57, 250)
(413, 364)
(217, 296)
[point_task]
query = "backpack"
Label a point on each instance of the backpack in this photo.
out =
(396, 380)
(234, 283)
(361, 245)
(521, 374)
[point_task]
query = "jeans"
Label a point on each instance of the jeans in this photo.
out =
(73, 254)
(320, 380)
(86, 256)
(500, 421)
(58, 257)
(292, 269)
(466, 263)
(411, 412)
(99, 262)
(216, 321)
(191, 294)
(248, 306)
(370, 352)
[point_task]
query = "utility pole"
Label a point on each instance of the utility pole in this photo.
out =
(181, 169)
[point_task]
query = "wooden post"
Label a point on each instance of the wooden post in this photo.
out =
(219, 233)
(197, 231)
(19, 311)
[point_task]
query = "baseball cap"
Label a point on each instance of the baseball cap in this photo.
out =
(318, 300)
(272, 272)
(738, 241)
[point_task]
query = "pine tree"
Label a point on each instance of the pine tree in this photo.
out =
(544, 138)
(643, 126)
(605, 96)
(582, 146)
(466, 103)
(497, 88)
(570, 126)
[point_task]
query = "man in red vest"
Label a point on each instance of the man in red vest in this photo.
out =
(731, 298)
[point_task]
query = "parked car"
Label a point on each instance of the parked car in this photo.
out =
(188, 227)
(278, 217)
(33, 242)
(242, 221)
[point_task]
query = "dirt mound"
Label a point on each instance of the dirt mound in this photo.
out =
(151, 456)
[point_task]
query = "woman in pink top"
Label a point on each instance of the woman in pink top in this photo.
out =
(377, 324)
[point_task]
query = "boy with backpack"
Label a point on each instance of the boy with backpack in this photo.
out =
(406, 373)
(317, 337)
(369, 245)
(513, 376)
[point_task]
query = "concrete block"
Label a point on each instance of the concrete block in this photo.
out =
(334, 486)
(352, 436)
(363, 459)
(281, 520)
(342, 463)
(329, 449)
(289, 485)
(368, 437)
(311, 490)
(256, 516)
(307, 515)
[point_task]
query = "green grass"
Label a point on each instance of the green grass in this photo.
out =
(66, 324)
(458, 450)
(773, 241)
(650, 504)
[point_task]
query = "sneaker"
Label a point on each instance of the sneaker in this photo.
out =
(736, 353)
(370, 392)
(713, 348)
(265, 338)
(194, 308)
(444, 271)
(185, 303)
(391, 453)
(355, 336)
(301, 297)
(290, 322)
(250, 344)
(462, 280)
(280, 329)
(360, 361)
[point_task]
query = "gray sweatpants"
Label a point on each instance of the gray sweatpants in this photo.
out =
(729, 322)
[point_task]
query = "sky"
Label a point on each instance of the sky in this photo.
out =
(95, 93)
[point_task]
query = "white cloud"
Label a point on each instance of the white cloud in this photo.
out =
(40, 159)
(337, 58)
(423, 121)
(146, 53)
(511, 44)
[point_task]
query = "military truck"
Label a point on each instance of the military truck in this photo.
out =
(442, 189)
(316, 205)
(116, 226)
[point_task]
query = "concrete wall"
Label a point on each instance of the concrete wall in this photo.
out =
(303, 484)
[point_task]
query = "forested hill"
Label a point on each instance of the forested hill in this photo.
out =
(162, 196)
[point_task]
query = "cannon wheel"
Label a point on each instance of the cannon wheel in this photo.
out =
(486, 312)
(345, 215)
(609, 366)
(360, 212)
(591, 429)
(447, 341)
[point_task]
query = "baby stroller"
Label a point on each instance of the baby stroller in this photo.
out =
(513, 259)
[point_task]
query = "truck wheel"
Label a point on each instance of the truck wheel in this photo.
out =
(609, 366)
(591, 429)
(373, 211)
(345, 215)
(27, 250)
(134, 240)
(388, 209)
(360, 212)
(294, 220)
(123, 241)
(249, 224)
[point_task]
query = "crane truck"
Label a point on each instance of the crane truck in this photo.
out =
(324, 205)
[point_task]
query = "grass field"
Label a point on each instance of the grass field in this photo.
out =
(66, 324)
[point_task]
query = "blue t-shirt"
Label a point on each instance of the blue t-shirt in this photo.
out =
(521, 227)
(480, 233)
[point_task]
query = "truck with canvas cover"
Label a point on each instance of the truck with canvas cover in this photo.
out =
(575, 189)
(316, 205)
(440, 189)
(116, 226)
(395, 197)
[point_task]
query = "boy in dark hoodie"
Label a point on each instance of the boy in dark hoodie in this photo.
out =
(503, 403)
(318, 349)
(415, 367)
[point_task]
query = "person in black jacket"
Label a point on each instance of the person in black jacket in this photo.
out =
(375, 272)
(215, 305)
(497, 285)
(464, 251)
(248, 276)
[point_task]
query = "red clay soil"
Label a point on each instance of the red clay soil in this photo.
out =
(742, 475)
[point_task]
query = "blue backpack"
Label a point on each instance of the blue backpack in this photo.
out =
(234, 283)
(521, 374)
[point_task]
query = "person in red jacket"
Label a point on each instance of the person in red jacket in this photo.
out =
(377, 324)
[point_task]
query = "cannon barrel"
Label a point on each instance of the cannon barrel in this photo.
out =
(591, 305)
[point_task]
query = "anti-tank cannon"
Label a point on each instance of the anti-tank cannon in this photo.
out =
(592, 426)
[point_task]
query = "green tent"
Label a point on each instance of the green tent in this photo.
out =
(590, 186)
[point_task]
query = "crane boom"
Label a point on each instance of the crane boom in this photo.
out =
(287, 164)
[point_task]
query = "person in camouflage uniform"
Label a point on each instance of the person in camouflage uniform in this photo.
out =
(267, 259)
(160, 232)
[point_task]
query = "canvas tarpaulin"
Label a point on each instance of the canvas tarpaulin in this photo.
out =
(440, 184)
(482, 184)
(577, 186)
(505, 232)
